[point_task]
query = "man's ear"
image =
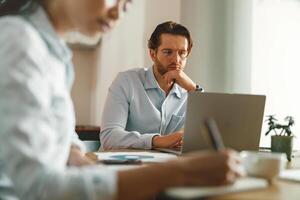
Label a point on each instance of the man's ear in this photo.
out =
(152, 54)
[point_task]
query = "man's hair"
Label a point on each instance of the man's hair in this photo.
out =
(172, 28)
(16, 7)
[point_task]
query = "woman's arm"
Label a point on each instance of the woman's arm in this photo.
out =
(205, 168)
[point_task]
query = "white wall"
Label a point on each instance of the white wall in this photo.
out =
(85, 64)
(220, 59)
(158, 11)
(206, 20)
(239, 46)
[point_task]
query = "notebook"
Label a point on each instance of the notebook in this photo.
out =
(243, 184)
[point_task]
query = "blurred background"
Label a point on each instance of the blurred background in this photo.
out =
(240, 46)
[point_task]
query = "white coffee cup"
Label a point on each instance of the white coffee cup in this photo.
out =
(262, 164)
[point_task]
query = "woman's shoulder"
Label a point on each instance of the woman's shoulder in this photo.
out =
(13, 24)
(17, 31)
(21, 45)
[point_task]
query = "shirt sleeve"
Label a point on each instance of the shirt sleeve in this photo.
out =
(77, 142)
(115, 116)
(29, 149)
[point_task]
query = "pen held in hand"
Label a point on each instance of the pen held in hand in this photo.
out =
(214, 134)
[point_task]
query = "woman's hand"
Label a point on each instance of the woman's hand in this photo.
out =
(210, 168)
(78, 158)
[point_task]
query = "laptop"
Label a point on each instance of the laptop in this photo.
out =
(239, 118)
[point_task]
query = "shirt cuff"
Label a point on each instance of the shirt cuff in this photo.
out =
(147, 140)
(78, 143)
(102, 182)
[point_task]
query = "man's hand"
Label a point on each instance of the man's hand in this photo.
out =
(77, 157)
(210, 168)
(180, 78)
(173, 140)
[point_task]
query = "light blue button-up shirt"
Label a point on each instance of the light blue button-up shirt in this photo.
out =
(37, 117)
(137, 109)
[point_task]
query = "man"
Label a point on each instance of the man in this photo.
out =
(39, 157)
(145, 108)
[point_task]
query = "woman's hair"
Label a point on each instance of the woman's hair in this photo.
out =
(15, 7)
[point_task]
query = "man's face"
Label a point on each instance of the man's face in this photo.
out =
(91, 17)
(171, 54)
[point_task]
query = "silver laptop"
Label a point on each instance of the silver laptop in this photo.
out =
(238, 116)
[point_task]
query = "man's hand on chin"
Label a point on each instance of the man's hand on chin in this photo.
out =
(178, 76)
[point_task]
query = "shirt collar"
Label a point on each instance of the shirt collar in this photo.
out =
(150, 80)
(56, 45)
(151, 83)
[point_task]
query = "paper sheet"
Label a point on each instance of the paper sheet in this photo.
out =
(146, 157)
(291, 175)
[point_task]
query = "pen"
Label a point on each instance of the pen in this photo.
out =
(214, 134)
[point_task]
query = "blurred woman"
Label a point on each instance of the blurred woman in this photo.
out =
(40, 155)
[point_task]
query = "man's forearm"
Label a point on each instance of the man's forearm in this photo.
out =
(147, 181)
(118, 138)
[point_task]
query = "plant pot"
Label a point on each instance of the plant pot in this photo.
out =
(283, 144)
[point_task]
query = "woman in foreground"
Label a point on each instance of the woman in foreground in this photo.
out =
(40, 155)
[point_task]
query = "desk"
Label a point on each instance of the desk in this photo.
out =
(279, 190)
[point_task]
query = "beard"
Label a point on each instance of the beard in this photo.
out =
(161, 68)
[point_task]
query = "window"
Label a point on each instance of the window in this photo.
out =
(276, 59)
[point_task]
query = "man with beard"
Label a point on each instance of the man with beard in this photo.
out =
(145, 107)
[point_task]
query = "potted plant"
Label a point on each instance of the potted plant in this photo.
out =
(282, 141)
